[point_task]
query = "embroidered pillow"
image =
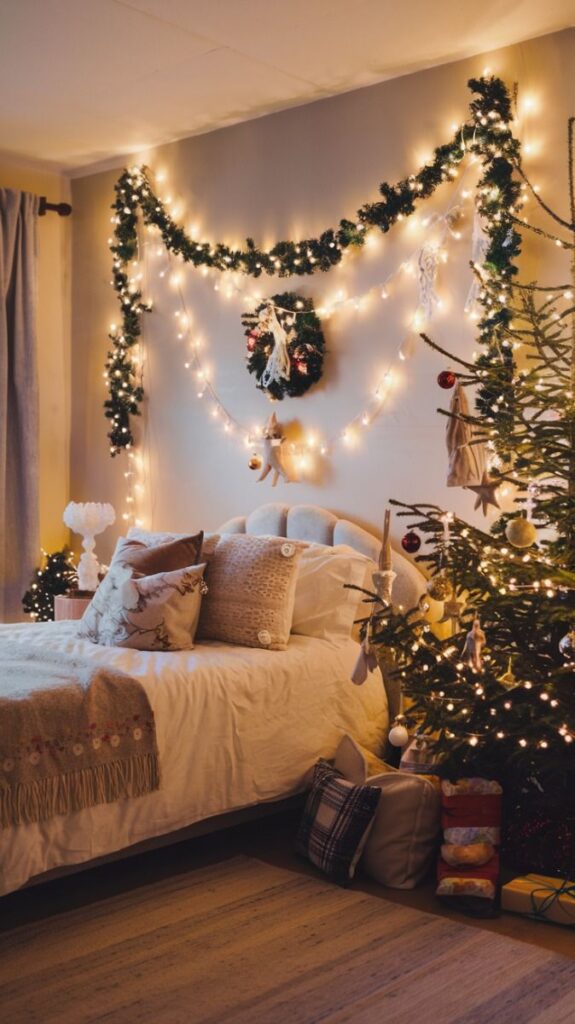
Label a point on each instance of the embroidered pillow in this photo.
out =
(336, 823)
(175, 554)
(251, 592)
(148, 613)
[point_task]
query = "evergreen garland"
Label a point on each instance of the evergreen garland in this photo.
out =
(56, 576)
(487, 133)
(305, 346)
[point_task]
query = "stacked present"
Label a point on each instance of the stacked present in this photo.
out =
(541, 897)
(471, 822)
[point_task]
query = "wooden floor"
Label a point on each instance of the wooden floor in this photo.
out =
(234, 928)
(270, 840)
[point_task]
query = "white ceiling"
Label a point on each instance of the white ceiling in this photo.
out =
(86, 81)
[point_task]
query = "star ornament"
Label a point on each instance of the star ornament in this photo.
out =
(485, 492)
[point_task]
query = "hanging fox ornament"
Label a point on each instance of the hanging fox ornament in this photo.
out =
(273, 440)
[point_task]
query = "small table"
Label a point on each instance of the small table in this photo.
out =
(70, 606)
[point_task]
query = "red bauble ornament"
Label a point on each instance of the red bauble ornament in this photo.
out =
(446, 379)
(411, 542)
(300, 366)
(251, 343)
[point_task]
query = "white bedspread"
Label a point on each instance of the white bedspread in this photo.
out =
(235, 727)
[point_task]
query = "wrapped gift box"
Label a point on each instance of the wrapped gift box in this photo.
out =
(551, 899)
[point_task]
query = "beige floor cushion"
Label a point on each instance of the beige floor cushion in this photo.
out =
(404, 838)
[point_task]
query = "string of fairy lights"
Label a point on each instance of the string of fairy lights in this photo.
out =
(250, 436)
(228, 286)
(432, 647)
(445, 224)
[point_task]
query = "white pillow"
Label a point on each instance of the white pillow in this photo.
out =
(323, 607)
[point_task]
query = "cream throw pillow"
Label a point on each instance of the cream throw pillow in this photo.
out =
(404, 839)
(251, 591)
(323, 607)
(147, 613)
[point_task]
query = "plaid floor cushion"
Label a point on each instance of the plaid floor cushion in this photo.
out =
(336, 823)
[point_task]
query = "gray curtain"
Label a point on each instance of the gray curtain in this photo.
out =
(19, 530)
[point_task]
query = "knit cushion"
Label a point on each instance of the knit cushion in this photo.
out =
(251, 591)
(336, 823)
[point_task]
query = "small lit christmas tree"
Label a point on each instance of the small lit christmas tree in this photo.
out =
(57, 575)
(497, 695)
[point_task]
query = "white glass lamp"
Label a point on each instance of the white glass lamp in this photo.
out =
(88, 518)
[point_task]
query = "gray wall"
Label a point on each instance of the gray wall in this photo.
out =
(291, 174)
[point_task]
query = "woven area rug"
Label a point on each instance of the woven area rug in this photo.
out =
(242, 941)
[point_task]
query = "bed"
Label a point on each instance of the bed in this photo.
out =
(236, 727)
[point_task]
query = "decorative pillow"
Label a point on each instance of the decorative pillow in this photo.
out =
(323, 607)
(402, 843)
(153, 538)
(251, 592)
(175, 554)
(336, 822)
(148, 613)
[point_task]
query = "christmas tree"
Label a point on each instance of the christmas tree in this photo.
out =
(496, 696)
(56, 576)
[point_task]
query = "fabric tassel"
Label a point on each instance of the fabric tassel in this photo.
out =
(479, 246)
(366, 662)
(44, 798)
(467, 459)
(427, 263)
(278, 365)
(384, 577)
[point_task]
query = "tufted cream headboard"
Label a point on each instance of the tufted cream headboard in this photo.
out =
(315, 524)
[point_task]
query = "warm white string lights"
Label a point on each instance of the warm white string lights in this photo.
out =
(446, 225)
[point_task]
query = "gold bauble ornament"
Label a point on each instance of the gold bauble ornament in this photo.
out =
(520, 532)
(440, 587)
(255, 461)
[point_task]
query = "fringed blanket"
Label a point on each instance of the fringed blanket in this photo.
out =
(72, 735)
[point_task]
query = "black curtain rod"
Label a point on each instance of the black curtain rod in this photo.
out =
(62, 209)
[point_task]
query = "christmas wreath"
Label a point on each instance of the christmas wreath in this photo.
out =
(285, 345)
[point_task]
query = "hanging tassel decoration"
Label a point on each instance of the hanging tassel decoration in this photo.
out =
(278, 366)
(467, 460)
(427, 265)
(384, 577)
(479, 246)
(366, 662)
